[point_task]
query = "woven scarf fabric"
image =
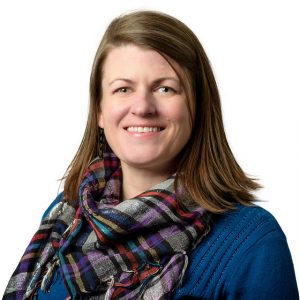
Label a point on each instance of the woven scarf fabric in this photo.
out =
(108, 248)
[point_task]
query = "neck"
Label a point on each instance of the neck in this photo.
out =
(138, 180)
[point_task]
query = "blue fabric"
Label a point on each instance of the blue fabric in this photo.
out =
(58, 290)
(245, 256)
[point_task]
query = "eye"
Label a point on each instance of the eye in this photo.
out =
(166, 89)
(122, 90)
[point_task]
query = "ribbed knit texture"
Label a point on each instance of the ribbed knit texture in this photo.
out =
(245, 256)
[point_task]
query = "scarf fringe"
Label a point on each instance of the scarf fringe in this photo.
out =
(48, 277)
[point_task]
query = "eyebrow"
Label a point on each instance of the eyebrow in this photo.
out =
(155, 81)
(121, 79)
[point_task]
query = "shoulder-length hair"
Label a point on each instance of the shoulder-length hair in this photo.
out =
(206, 166)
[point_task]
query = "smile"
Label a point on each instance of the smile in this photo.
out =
(143, 129)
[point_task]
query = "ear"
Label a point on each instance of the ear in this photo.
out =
(100, 120)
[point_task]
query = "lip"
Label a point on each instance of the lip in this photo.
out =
(143, 134)
(143, 125)
(161, 128)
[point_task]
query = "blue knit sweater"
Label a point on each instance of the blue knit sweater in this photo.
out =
(244, 256)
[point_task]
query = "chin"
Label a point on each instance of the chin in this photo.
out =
(142, 160)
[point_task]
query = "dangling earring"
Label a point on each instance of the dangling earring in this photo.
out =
(100, 143)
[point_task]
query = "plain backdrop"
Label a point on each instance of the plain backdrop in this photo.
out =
(46, 54)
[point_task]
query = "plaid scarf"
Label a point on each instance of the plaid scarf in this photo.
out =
(108, 248)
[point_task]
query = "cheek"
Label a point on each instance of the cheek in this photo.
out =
(181, 116)
(111, 114)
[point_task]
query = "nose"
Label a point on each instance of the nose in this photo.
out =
(143, 104)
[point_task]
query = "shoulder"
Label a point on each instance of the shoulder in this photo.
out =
(244, 249)
(240, 229)
(244, 226)
(237, 231)
(246, 217)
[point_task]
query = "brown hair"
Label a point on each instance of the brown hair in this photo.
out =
(206, 168)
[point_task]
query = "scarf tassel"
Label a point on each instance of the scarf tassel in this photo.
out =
(49, 275)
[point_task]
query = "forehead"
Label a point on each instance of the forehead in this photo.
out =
(131, 60)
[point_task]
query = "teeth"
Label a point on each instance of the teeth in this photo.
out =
(143, 129)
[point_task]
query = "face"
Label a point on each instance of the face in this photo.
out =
(144, 110)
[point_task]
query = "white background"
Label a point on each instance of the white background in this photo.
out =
(46, 53)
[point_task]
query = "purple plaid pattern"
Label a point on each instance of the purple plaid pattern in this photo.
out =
(131, 249)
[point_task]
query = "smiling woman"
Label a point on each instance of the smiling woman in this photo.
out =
(155, 205)
(144, 115)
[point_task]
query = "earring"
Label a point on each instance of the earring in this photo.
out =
(100, 143)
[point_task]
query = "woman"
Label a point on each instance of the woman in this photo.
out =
(154, 204)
